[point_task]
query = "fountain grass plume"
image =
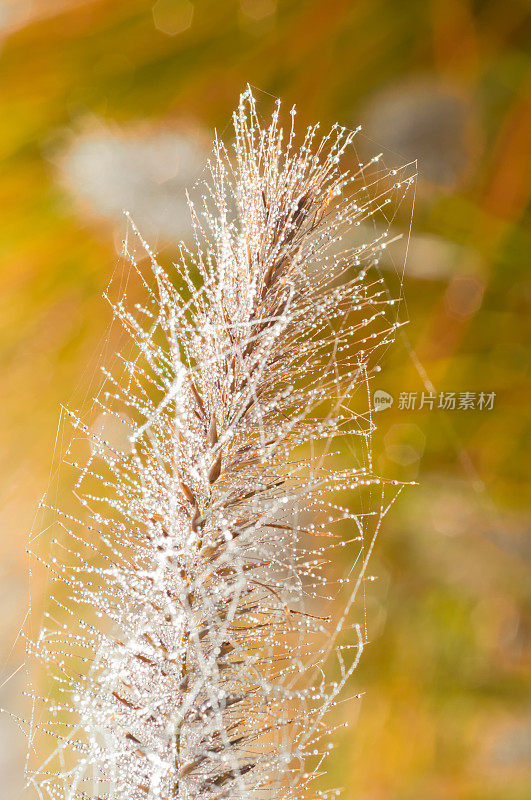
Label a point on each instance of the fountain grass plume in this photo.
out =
(203, 626)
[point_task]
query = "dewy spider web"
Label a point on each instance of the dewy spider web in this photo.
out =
(202, 628)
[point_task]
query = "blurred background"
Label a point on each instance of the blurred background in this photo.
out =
(109, 105)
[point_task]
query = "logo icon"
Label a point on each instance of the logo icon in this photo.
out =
(382, 400)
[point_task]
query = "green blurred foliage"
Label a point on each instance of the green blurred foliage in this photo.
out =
(444, 712)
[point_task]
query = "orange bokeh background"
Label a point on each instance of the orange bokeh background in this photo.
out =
(109, 104)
